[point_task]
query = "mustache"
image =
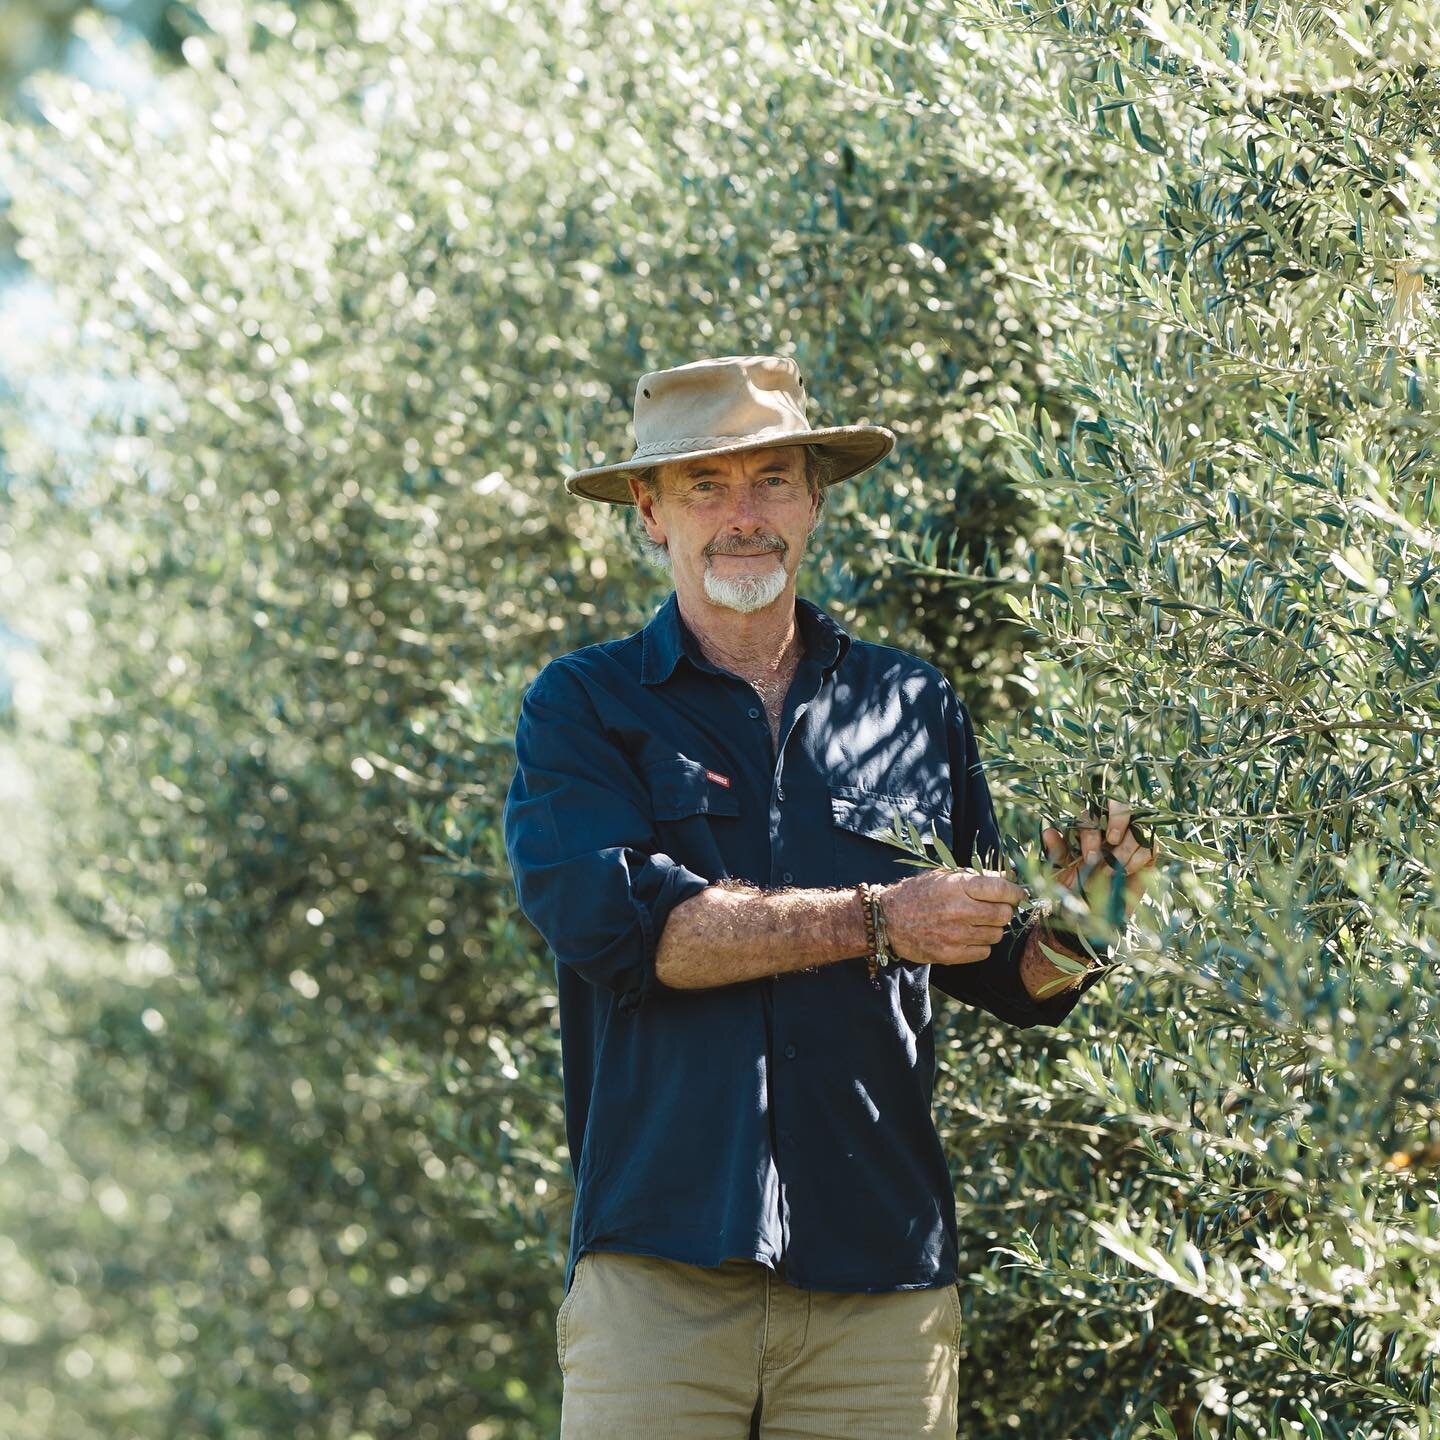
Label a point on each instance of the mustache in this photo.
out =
(753, 545)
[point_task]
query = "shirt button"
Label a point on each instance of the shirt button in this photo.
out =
(779, 793)
(787, 877)
(754, 713)
(789, 1052)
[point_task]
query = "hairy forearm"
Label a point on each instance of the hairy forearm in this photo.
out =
(731, 932)
(734, 931)
(1038, 973)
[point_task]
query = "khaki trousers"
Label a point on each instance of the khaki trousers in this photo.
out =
(651, 1349)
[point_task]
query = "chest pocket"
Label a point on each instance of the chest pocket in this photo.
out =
(692, 814)
(863, 824)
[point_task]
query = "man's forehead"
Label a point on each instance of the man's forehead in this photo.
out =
(777, 456)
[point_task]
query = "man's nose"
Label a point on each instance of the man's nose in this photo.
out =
(744, 512)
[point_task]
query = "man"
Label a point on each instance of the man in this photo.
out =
(764, 1229)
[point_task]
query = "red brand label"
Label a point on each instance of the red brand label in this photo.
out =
(718, 779)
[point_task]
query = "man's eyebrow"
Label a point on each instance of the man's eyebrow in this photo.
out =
(709, 471)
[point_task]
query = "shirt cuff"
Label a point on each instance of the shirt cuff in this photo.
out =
(994, 984)
(669, 884)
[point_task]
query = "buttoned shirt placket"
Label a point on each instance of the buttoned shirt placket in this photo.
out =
(779, 877)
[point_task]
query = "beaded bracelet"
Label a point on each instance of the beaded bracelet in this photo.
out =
(877, 936)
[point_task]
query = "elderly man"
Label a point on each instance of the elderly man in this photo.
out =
(764, 1229)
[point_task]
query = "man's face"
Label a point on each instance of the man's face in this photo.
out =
(735, 525)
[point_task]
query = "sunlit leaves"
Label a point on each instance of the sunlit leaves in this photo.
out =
(1161, 276)
(1221, 221)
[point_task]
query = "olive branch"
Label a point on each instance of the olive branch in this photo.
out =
(905, 835)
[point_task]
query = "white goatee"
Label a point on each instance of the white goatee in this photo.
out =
(745, 593)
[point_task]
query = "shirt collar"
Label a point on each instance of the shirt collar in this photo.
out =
(666, 638)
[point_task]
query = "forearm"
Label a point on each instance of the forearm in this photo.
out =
(731, 932)
(1037, 972)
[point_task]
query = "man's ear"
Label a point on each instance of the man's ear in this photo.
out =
(646, 506)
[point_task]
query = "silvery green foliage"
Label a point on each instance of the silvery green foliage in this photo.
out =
(1220, 1194)
(343, 298)
(373, 280)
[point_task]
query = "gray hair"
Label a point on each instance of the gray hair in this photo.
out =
(819, 471)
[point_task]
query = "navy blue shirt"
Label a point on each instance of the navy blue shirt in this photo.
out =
(786, 1119)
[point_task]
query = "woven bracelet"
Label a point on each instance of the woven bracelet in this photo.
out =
(877, 940)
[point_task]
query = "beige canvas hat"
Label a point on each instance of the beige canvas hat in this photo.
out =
(717, 407)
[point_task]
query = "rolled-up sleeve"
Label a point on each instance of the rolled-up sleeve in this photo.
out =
(588, 869)
(993, 984)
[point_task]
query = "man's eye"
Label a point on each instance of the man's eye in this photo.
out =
(777, 479)
(703, 485)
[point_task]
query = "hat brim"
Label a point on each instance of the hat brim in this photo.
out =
(851, 448)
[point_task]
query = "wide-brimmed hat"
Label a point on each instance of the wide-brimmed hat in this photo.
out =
(718, 407)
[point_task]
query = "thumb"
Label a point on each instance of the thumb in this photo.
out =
(1055, 846)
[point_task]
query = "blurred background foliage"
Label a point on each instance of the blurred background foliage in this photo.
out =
(339, 294)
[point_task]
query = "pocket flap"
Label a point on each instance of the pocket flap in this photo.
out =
(683, 787)
(874, 812)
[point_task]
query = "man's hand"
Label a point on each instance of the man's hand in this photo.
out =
(1122, 844)
(949, 917)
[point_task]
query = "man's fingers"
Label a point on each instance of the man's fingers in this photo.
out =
(1139, 860)
(988, 912)
(992, 885)
(984, 934)
(1132, 854)
(1055, 846)
(1119, 821)
(964, 955)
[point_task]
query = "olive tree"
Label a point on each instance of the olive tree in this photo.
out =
(341, 300)
(1217, 1197)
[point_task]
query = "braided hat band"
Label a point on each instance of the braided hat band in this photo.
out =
(723, 406)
